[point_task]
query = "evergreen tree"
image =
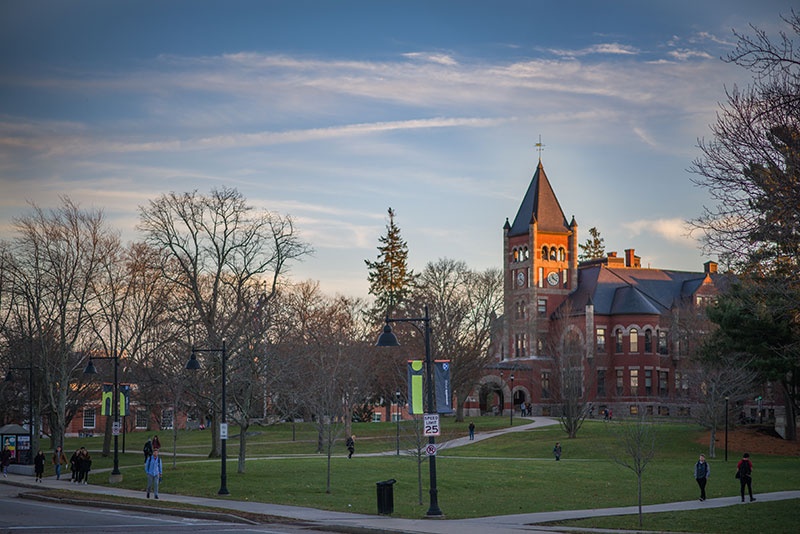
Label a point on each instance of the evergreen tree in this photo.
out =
(594, 248)
(390, 280)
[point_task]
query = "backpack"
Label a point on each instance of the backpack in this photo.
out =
(148, 448)
(744, 470)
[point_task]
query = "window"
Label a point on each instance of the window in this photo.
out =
(541, 307)
(634, 409)
(648, 341)
(618, 335)
(662, 342)
(601, 383)
(88, 417)
(681, 384)
(553, 254)
(634, 382)
(166, 420)
(545, 384)
(684, 411)
(564, 278)
(663, 410)
(516, 255)
(649, 410)
(376, 417)
(541, 277)
(519, 345)
(663, 383)
(600, 335)
(545, 253)
(634, 340)
(620, 382)
(562, 254)
(648, 382)
(525, 253)
(141, 418)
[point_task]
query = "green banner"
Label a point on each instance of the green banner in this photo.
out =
(415, 405)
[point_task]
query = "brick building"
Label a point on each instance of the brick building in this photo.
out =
(624, 319)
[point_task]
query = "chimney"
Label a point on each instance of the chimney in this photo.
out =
(710, 267)
(629, 257)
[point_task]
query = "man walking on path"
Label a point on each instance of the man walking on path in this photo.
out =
(744, 472)
(153, 469)
(701, 473)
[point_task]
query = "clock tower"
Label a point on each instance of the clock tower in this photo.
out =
(540, 258)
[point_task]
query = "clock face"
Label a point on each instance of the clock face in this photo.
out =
(552, 278)
(520, 278)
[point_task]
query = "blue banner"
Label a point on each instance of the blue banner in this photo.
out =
(444, 394)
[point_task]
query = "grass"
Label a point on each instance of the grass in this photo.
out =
(507, 474)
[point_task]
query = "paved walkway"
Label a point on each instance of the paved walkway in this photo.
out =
(508, 524)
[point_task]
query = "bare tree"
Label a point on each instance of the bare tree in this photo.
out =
(634, 447)
(568, 347)
(220, 250)
(463, 304)
(52, 263)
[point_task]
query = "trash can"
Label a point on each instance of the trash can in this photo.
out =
(386, 496)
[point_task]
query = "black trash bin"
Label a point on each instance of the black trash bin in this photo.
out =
(386, 496)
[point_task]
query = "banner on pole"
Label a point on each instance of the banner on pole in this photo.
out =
(444, 394)
(415, 405)
(107, 400)
(124, 399)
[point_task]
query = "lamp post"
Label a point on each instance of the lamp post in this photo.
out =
(388, 339)
(10, 378)
(193, 365)
(116, 475)
(512, 399)
(397, 420)
(726, 428)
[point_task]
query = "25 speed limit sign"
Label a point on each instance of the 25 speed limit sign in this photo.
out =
(431, 424)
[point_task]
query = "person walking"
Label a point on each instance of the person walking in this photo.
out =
(350, 443)
(5, 460)
(38, 465)
(153, 469)
(59, 459)
(557, 451)
(744, 472)
(471, 431)
(701, 473)
(156, 443)
(73, 465)
(84, 465)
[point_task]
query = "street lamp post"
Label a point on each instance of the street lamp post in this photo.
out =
(512, 399)
(193, 365)
(10, 378)
(116, 475)
(397, 420)
(388, 339)
(726, 429)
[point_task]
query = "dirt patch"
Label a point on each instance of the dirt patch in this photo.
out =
(755, 440)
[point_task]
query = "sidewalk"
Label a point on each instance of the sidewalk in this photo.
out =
(509, 524)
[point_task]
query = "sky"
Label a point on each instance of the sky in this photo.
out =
(334, 111)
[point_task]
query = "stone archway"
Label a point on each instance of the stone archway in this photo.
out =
(491, 398)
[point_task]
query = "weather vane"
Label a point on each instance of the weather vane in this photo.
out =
(540, 148)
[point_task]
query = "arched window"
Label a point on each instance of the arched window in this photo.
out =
(544, 253)
(562, 254)
(525, 253)
(553, 254)
(516, 255)
(618, 339)
(648, 341)
(634, 340)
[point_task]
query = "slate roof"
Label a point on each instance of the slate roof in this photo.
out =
(631, 291)
(539, 204)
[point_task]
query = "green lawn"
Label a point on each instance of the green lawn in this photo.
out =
(508, 474)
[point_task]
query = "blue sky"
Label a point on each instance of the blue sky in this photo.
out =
(334, 111)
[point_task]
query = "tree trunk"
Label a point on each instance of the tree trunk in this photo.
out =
(712, 443)
(245, 424)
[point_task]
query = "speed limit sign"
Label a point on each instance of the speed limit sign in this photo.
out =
(431, 424)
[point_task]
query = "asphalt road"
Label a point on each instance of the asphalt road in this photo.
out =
(37, 517)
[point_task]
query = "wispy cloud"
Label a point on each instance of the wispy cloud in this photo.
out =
(673, 230)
